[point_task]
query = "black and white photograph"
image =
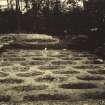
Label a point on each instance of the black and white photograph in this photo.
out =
(52, 52)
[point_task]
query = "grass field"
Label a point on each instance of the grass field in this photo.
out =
(50, 77)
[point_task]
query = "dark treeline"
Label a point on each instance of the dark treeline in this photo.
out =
(50, 16)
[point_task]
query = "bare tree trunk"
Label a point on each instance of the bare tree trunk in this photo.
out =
(27, 5)
(18, 15)
(17, 5)
(8, 4)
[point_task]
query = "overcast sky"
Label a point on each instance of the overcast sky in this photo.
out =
(4, 2)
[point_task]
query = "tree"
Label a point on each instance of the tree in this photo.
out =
(17, 6)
